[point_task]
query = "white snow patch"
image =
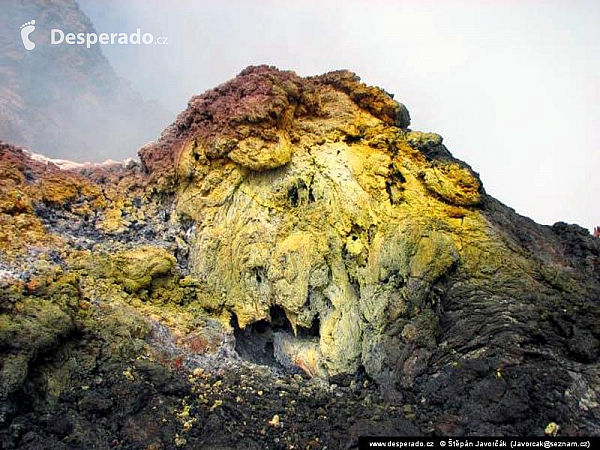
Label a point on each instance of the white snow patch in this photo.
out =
(65, 164)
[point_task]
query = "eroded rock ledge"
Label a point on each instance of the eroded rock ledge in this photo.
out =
(303, 216)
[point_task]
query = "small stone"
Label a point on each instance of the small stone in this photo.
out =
(85, 305)
(275, 421)
(180, 441)
(410, 332)
(127, 373)
(551, 429)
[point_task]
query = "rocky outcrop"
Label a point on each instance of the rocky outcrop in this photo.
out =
(66, 101)
(299, 223)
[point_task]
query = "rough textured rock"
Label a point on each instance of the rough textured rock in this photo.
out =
(297, 223)
(140, 268)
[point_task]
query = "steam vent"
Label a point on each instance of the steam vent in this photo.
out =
(290, 266)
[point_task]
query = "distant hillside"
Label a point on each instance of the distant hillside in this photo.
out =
(66, 101)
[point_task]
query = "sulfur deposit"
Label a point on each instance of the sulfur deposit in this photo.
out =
(294, 232)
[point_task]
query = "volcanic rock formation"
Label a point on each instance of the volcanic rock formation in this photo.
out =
(295, 227)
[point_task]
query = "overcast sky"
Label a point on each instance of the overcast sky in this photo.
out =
(512, 86)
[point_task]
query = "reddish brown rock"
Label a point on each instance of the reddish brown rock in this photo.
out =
(255, 109)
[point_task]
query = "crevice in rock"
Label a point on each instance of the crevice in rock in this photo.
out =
(255, 342)
(393, 186)
(293, 195)
(353, 138)
(265, 342)
(260, 274)
(311, 194)
(301, 193)
(312, 332)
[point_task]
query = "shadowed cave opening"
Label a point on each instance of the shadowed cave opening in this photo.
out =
(301, 193)
(256, 342)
